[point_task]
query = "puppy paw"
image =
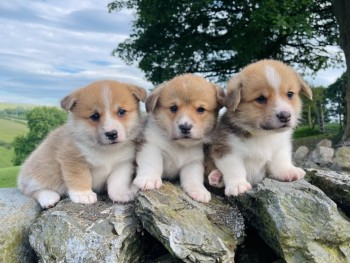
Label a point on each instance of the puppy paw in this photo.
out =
(48, 198)
(147, 183)
(237, 188)
(289, 174)
(121, 195)
(200, 194)
(216, 179)
(85, 197)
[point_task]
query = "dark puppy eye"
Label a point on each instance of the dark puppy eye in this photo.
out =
(173, 108)
(200, 110)
(121, 112)
(261, 100)
(95, 116)
(290, 94)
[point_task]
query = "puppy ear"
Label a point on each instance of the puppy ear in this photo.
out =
(139, 93)
(152, 99)
(305, 89)
(233, 95)
(68, 102)
(220, 96)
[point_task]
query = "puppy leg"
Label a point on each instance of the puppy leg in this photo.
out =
(215, 179)
(46, 198)
(79, 183)
(119, 184)
(281, 167)
(150, 168)
(192, 179)
(234, 173)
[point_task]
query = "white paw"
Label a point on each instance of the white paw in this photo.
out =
(289, 174)
(216, 179)
(48, 198)
(85, 197)
(121, 195)
(200, 194)
(237, 188)
(147, 182)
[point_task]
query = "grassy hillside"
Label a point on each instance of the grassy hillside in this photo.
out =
(8, 176)
(5, 105)
(8, 131)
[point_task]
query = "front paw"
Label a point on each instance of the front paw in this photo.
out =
(289, 174)
(215, 179)
(200, 194)
(147, 182)
(121, 195)
(237, 188)
(83, 197)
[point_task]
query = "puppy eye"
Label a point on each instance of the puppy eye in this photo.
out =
(200, 110)
(261, 100)
(290, 94)
(121, 112)
(173, 108)
(95, 117)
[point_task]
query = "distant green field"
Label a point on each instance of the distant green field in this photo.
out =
(5, 105)
(6, 156)
(8, 176)
(10, 129)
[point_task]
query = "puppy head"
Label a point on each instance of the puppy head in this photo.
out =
(186, 108)
(104, 112)
(265, 96)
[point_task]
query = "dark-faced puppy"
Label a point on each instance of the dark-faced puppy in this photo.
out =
(94, 150)
(254, 135)
(182, 116)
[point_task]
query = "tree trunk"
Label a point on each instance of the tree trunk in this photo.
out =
(342, 12)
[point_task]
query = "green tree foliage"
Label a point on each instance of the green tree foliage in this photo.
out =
(41, 121)
(311, 112)
(218, 38)
(335, 100)
(18, 113)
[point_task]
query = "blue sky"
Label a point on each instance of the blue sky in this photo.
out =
(49, 48)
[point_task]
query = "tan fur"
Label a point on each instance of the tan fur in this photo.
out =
(70, 160)
(167, 152)
(251, 138)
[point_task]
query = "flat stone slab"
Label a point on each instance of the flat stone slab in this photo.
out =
(102, 232)
(298, 221)
(191, 231)
(17, 213)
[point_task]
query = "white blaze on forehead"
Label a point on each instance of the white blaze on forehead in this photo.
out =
(106, 96)
(273, 78)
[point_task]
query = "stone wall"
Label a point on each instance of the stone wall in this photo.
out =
(302, 221)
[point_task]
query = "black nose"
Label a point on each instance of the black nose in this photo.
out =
(112, 135)
(284, 116)
(185, 128)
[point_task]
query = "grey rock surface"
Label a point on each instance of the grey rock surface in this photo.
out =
(191, 231)
(322, 156)
(102, 232)
(298, 221)
(335, 185)
(300, 155)
(342, 158)
(17, 213)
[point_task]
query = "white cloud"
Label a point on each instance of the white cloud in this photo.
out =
(49, 48)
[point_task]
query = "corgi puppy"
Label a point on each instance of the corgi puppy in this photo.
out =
(94, 151)
(253, 138)
(182, 115)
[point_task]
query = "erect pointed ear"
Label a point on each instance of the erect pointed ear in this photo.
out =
(220, 96)
(68, 102)
(152, 99)
(233, 93)
(139, 93)
(305, 89)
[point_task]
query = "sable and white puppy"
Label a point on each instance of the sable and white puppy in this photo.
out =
(93, 151)
(253, 138)
(182, 116)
